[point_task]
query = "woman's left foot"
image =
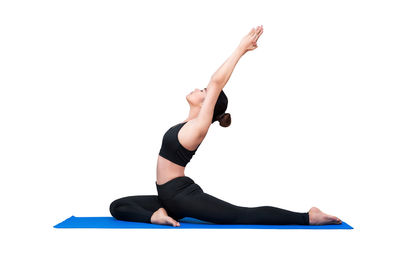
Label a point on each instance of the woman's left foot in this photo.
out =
(317, 217)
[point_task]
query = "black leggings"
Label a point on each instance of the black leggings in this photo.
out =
(182, 197)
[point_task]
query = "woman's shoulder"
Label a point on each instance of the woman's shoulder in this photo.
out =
(189, 135)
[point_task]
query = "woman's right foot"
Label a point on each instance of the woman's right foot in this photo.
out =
(317, 217)
(160, 216)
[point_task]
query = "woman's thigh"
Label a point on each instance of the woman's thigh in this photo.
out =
(206, 207)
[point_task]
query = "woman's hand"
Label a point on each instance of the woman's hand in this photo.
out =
(249, 42)
(160, 216)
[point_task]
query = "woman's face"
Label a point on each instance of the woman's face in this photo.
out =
(197, 96)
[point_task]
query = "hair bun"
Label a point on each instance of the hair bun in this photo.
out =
(225, 119)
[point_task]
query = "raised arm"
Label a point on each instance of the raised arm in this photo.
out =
(248, 43)
(224, 72)
(221, 76)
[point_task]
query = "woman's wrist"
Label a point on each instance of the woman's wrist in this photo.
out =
(240, 50)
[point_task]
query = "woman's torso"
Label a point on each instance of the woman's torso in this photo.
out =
(190, 139)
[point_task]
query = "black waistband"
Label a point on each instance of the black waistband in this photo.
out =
(176, 181)
(173, 187)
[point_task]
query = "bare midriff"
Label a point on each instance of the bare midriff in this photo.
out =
(167, 170)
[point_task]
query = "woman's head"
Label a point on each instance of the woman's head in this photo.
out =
(219, 111)
(196, 99)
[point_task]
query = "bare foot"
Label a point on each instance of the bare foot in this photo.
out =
(317, 217)
(160, 216)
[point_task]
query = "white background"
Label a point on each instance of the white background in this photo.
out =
(88, 89)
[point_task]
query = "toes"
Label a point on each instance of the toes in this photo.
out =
(173, 222)
(336, 220)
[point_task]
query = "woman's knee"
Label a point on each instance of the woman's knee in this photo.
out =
(113, 207)
(117, 207)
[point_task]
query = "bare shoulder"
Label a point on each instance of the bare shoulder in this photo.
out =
(191, 135)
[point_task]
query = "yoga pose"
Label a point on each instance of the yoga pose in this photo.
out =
(178, 195)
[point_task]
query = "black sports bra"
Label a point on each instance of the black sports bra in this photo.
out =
(172, 150)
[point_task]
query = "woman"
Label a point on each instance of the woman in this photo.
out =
(178, 195)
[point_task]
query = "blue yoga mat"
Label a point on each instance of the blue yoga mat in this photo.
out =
(187, 223)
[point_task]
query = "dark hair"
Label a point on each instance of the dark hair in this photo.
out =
(219, 111)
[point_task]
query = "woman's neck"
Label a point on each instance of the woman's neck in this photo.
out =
(193, 113)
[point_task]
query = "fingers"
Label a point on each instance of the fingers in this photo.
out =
(251, 31)
(260, 31)
(255, 31)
